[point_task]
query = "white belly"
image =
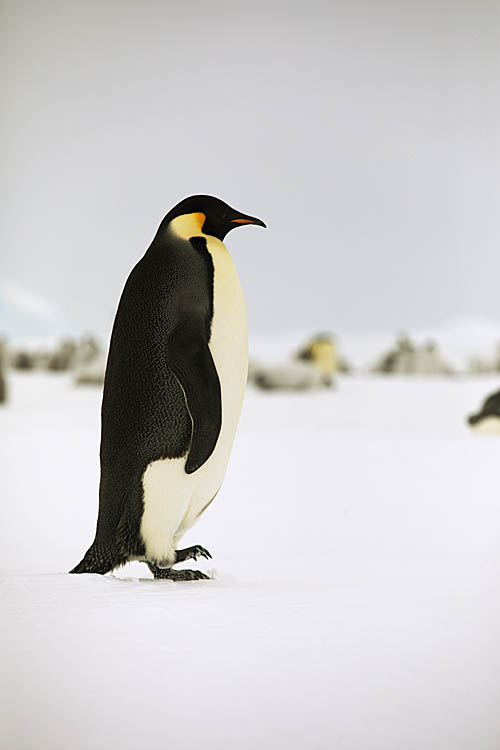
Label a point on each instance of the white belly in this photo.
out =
(173, 500)
(487, 426)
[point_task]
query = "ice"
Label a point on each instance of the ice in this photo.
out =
(355, 599)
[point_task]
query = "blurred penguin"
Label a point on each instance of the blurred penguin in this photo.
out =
(292, 376)
(91, 373)
(409, 359)
(322, 353)
(62, 357)
(3, 371)
(487, 419)
(314, 367)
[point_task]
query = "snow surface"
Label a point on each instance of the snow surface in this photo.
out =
(355, 604)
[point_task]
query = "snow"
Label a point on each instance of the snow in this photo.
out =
(355, 600)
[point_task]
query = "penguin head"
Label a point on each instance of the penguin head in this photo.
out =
(209, 215)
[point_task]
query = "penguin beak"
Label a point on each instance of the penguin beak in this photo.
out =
(243, 219)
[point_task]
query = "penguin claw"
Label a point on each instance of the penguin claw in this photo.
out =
(176, 575)
(190, 575)
(186, 575)
(192, 553)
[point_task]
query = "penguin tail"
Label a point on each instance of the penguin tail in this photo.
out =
(100, 559)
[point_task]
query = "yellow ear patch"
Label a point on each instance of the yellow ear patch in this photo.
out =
(188, 225)
(199, 218)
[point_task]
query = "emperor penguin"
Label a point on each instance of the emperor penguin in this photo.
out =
(175, 378)
(322, 353)
(487, 419)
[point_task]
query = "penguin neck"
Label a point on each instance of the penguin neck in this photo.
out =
(190, 225)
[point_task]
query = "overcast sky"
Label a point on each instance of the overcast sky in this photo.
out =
(364, 133)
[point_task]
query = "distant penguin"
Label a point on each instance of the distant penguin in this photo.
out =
(3, 368)
(292, 376)
(173, 391)
(487, 420)
(321, 352)
(314, 366)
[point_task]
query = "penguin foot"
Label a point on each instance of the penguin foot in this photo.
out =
(192, 553)
(177, 575)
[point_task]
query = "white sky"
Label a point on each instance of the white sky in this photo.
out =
(365, 134)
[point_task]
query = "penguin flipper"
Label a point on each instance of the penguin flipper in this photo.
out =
(195, 370)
